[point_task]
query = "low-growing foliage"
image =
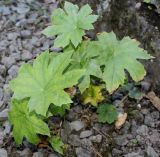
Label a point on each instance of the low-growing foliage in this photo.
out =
(107, 113)
(40, 88)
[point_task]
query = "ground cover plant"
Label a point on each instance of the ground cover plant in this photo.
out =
(40, 89)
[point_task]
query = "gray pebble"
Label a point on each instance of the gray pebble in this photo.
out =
(25, 33)
(4, 114)
(145, 85)
(96, 139)
(155, 137)
(86, 143)
(22, 8)
(77, 125)
(13, 70)
(86, 133)
(5, 10)
(2, 70)
(3, 45)
(155, 115)
(25, 153)
(151, 152)
(3, 153)
(26, 55)
(38, 154)
(138, 5)
(149, 121)
(121, 140)
(74, 140)
(116, 152)
(12, 36)
(142, 130)
(1, 94)
(7, 127)
(80, 152)
(2, 136)
(8, 61)
(133, 154)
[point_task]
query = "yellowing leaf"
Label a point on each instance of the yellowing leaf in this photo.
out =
(45, 81)
(93, 95)
(26, 124)
(117, 56)
(70, 24)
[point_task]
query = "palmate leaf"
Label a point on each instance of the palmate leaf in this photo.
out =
(107, 113)
(84, 57)
(70, 24)
(119, 55)
(45, 81)
(26, 124)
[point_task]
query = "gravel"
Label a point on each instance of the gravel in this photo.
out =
(38, 154)
(143, 130)
(80, 152)
(4, 114)
(121, 140)
(3, 153)
(151, 152)
(86, 133)
(77, 125)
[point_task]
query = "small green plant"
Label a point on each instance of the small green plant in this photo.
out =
(107, 113)
(40, 88)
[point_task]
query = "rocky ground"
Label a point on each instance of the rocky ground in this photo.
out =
(21, 22)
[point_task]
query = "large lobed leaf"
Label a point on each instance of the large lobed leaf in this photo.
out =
(70, 24)
(45, 81)
(118, 56)
(26, 124)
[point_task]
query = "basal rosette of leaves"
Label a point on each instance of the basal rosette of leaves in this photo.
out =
(39, 90)
(70, 24)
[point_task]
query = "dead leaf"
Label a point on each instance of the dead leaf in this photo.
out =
(154, 100)
(72, 91)
(120, 120)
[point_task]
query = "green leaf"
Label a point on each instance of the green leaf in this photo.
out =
(119, 55)
(93, 95)
(107, 113)
(70, 24)
(57, 110)
(147, 1)
(45, 81)
(84, 58)
(135, 94)
(26, 124)
(57, 144)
